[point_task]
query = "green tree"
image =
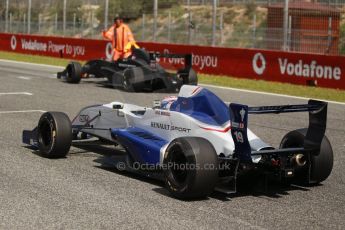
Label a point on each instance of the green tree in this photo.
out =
(132, 9)
(73, 7)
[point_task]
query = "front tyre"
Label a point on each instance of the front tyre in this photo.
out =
(320, 165)
(54, 134)
(190, 167)
(73, 72)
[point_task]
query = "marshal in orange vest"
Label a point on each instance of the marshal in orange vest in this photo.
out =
(122, 39)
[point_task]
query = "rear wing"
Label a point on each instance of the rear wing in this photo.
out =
(187, 57)
(239, 122)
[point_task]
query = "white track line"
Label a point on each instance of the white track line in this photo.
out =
(23, 111)
(270, 94)
(16, 93)
(24, 78)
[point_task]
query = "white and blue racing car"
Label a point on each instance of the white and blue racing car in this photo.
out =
(197, 142)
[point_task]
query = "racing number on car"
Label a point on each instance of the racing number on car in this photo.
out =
(239, 136)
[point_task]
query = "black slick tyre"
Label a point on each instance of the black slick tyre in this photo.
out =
(54, 134)
(190, 168)
(73, 73)
(320, 165)
(128, 76)
(189, 76)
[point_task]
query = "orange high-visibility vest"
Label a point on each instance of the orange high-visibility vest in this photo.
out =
(120, 37)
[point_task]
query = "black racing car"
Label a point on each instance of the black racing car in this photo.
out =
(139, 72)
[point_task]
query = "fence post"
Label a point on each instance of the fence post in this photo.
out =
(11, 23)
(106, 10)
(74, 22)
(6, 16)
(221, 27)
(169, 27)
(91, 24)
(64, 17)
(214, 16)
(56, 23)
(143, 28)
(329, 34)
(82, 25)
(285, 24)
(289, 33)
(254, 30)
(89, 18)
(24, 23)
(39, 23)
(155, 11)
(189, 23)
(190, 28)
(29, 17)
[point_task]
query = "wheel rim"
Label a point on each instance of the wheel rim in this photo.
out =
(45, 133)
(125, 83)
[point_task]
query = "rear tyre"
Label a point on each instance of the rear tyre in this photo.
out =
(190, 167)
(54, 134)
(73, 72)
(188, 76)
(320, 165)
(128, 76)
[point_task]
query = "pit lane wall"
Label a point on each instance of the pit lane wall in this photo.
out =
(297, 68)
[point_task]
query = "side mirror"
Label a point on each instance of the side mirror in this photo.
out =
(118, 106)
(156, 104)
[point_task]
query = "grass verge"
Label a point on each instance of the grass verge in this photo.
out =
(275, 87)
(33, 59)
(258, 85)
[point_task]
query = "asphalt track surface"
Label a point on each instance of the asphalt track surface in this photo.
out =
(84, 191)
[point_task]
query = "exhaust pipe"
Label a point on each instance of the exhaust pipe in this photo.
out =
(299, 159)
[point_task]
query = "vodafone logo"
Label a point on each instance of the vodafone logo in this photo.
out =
(259, 63)
(13, 42)
(310, 69)
(109, 51)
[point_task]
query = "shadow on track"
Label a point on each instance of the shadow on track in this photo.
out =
(255, 186)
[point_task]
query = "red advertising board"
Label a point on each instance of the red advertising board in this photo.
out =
(71, 48)
(298, 68)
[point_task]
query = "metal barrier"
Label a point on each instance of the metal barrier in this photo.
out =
(301, 26)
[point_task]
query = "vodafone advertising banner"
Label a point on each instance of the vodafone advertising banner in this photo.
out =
(71, 48)
(298, 68)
